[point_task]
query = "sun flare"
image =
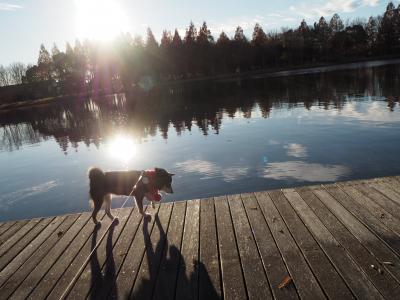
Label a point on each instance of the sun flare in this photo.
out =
(100, 19)
(122, 148)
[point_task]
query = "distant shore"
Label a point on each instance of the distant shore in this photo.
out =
(255, 74)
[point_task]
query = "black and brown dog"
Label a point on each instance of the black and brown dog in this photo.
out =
(139, 184)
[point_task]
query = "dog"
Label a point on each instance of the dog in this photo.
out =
(139, 184)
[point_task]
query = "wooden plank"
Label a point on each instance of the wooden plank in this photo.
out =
(6, 226)
(82, 245)
(126, 277)
(379, 198)
(386, 191)
(27, 250)
(15, 250)
(16, 278)
(253, 271)
(373, 208)
(269, 252)
(386, 235)
(16, 236)
(209, 272)
(232, 277)
(187, 282)
(393, 181)
(92, 271)
(331, 196)
(14, 227)
(168, 273)
(327, 276)
(389, 181)
(143, 287)
(23, 242)
(100, 289)
(60, 249)
(365, 274)
(303, 278)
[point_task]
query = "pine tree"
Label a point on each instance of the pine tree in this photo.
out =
(336, 24)
(239, 35)
(176, 40)
(68, 49)
(223, 39)
(372, 31)
(44, 56)
(191, 34)
(259, 37)
(304, 28)
(166, 39)
(55, 51)
(204, 37)
(151, 42)
(387, 30)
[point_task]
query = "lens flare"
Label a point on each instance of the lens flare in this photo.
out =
(100, 19)
(122, 148)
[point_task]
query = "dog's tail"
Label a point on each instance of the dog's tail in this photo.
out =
(97, 183)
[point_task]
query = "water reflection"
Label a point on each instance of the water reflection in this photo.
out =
(296, 150)
(203, 106)
(303, 171)
(122, 147)
(220, 138)
(209, 170)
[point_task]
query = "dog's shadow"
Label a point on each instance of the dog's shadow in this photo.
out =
(102, 282)
(166, 270)
(163, 263)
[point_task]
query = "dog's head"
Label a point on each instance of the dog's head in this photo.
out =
(164, 180)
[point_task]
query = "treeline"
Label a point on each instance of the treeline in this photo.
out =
(130, 61)
(12, 74)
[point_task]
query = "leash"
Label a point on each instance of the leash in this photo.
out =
(75, 278)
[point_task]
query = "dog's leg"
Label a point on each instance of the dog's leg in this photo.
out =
(107, 199)
(97, 203)
(139, 204)
(153, 206)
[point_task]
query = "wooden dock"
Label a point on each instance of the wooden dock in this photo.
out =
(335, 241)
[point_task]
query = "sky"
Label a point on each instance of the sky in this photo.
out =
(25, 24)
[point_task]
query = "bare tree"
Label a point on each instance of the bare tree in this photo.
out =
(17, 71)
(5, 78)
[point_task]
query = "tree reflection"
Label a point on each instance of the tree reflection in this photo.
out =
(202, 105)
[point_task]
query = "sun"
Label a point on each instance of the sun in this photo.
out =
(100, 19)
(122, 148)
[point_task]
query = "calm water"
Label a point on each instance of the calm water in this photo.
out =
(229, 137)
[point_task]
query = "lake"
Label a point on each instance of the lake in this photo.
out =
(224, 137)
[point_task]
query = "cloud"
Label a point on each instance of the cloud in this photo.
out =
(207, 168)
(273, 142)
(274, 15)
(234, 173)
(296, 150)
(230, 25)
(9, 6)
(8, 200)
(323, 8)
(303, 171)
(211, 170)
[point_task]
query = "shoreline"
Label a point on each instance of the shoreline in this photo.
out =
(255, 74)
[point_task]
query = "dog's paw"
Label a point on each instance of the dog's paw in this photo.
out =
(147, 217)
(97, 225)
(115, 220)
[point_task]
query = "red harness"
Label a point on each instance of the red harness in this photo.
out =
(149, 179)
